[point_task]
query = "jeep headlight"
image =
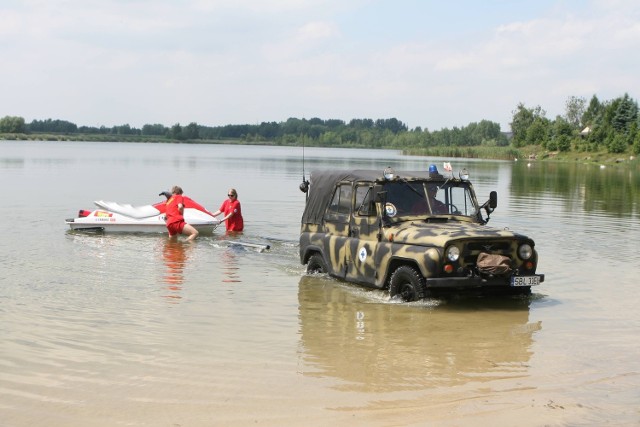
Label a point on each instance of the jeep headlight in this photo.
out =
(525, 251)
(453, 253)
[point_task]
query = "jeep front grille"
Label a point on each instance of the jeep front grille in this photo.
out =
(489, 247)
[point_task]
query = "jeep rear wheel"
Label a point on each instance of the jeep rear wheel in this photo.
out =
(407, 284)
(316, 264)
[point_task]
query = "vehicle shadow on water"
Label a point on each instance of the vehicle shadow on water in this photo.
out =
(370, 343)
(459, 300)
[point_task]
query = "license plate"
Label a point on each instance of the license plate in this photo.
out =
(525, 280)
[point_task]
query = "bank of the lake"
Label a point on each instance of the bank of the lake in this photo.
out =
(532, 152)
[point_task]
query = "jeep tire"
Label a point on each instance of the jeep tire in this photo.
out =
(316, 264)
(407, 284)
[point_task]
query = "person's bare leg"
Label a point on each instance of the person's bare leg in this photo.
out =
(190, 231)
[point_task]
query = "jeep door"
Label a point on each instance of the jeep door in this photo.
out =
(363, 236)
(336, 229)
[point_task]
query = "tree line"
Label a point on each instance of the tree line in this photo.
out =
(594, 126)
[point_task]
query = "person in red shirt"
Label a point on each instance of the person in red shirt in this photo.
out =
(173, 216)
(232, 212)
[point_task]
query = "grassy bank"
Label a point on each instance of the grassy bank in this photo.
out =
(498, 153)
(533, 152)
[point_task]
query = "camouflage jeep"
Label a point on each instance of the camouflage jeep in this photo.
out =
(411, 233)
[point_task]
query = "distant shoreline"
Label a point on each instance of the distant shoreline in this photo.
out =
(529, 153)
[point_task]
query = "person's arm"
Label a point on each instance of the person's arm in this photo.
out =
(180, 204)
(219, 211)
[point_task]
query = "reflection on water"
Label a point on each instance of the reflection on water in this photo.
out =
(230, 265)
(580, 187)
(385, 347)
(175, 257)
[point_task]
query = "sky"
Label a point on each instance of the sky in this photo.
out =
(432, 64)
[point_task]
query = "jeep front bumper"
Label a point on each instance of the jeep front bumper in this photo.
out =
(481, 282)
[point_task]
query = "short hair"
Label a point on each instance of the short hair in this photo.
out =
(176, 190)
(233, 191)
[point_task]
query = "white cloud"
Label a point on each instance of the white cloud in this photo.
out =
(219, 62)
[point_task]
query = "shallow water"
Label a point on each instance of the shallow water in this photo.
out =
(104, 330)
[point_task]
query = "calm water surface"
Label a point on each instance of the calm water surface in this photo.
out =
(102, 330)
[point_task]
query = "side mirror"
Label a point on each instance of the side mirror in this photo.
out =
(493, 200)
(489, 206)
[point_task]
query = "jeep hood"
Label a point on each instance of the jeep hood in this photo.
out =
(442, 233)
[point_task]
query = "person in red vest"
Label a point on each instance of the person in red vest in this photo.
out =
(232, 212)
(174, 219)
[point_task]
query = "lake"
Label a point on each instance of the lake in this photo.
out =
(138, 330)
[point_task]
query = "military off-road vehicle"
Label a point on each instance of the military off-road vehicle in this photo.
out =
(413, 233)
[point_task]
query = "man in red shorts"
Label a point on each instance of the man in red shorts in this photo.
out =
(174, 219)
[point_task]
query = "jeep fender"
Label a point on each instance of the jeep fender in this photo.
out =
(310, 250)
(427, 263)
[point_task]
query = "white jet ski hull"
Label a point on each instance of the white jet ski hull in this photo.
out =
(116, 218)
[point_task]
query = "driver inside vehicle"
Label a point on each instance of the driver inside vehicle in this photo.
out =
(437, 207)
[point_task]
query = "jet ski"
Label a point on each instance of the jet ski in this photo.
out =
(124, 218)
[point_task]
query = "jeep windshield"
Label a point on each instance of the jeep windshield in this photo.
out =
(417, 198)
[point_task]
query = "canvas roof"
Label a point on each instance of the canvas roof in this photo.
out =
(323, 182)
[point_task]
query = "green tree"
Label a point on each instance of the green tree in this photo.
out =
(191, 131)
(538, 132)
(626, 113)
(523, 118)
(155, 129)
(593, 112)
(617, 143)
(175, 132)
(125, 129)
(54, 126)
(563, 143)
(575, 108)
(394, 125)
(362, 124)
(562, 133)
(483, 133)
(9, 124)
(636, 144)
(561, 127)
(334, 124)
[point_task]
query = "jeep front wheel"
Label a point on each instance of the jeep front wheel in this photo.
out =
(407, 284)
(316, 264)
